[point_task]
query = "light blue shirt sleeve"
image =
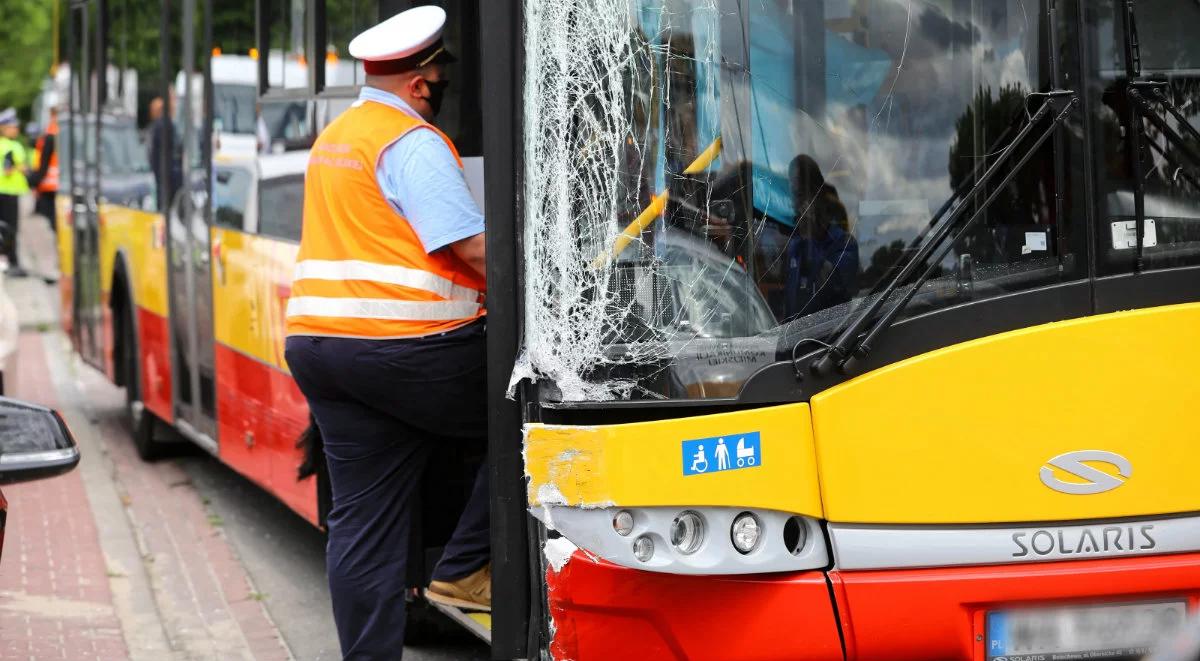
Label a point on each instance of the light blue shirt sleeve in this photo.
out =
(421, 179)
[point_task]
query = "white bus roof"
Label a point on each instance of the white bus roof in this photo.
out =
(273, 166)
(234, 70)
(243, 70)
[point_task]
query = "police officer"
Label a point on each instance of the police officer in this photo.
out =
(386, 331)
(12, 186)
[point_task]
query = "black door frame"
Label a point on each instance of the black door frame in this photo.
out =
(516, 578)
(203, 433)
(85, 48)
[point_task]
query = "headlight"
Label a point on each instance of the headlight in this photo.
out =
(643, 548)
(687, 532)
(693, 540)
(745, 532)
(623, 523)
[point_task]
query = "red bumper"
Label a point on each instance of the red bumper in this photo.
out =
(602, 611)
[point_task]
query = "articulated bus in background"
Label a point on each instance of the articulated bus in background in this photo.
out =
(179, 220)
(818, 329)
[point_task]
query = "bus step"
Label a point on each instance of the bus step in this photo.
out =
(476, 622)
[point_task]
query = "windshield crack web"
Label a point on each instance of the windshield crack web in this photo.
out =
(589, 306)
(658, 214)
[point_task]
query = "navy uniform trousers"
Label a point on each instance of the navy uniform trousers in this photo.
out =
(382, 406)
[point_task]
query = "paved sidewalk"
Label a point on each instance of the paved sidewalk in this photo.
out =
(55, 599)
(119, 559)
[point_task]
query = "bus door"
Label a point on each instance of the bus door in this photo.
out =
(83, 127)
(188, 220)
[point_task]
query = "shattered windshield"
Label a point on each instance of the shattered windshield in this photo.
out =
(708, 181)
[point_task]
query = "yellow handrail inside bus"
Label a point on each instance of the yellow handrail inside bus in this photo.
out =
(655, 208)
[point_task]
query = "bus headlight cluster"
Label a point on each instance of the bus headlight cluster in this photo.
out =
(687, 532)
(643, 548)
(696, 540)
(745, 532)
(623, 523)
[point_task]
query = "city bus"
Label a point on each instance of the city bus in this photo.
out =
(818, 329)
(179, 216)
(846, 329)
(178, 222)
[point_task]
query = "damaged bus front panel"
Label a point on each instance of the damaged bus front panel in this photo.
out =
(858, 329)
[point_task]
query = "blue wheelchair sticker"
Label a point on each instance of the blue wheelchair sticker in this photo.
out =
(722, 453)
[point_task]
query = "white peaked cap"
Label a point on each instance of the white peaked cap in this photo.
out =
(402, 36)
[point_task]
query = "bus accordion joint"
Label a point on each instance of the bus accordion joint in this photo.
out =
(653, 210)
(856, 340)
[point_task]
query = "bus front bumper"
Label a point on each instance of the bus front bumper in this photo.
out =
(603, 611)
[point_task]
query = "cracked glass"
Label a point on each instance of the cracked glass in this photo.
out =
(709, 182)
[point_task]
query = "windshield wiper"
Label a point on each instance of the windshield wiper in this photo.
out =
(1155, 89)
(956, 197)
(849, 343)
(1133, 71)
(1140, 107)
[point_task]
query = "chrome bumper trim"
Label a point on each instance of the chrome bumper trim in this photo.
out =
(858, 547)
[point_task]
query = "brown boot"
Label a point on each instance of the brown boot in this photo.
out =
(472, 592)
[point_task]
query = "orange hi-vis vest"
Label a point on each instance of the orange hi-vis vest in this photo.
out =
(361, 270)
(49, 183)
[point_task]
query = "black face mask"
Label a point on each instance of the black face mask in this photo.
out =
(437, 92)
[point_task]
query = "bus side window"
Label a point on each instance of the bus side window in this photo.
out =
(344, 19)
(281, 207)
(231, 192)
(1170, 174)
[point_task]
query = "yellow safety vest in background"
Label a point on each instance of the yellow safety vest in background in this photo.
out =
(14, 181)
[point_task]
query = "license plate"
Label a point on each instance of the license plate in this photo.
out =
(1105, 631)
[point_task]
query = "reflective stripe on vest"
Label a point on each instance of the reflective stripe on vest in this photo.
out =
(316, 269)
(361, 270)
(380, 308)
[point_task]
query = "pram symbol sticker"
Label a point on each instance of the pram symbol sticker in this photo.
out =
(722, 453)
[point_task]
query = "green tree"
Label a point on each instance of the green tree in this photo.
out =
(26, 51)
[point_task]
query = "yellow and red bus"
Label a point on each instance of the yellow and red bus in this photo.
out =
(858, 329)
(179, 218)
(818, 329)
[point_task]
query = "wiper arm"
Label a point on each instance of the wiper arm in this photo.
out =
(1133, 71)
(956, 198)
(1155, 89)
(848, 343)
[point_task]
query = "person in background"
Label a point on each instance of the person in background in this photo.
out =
(386, 332)
(822, 254)
(154, 110)
(162, 136)
(13, 184)
(44, 178)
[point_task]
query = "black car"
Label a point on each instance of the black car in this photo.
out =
(34, 443)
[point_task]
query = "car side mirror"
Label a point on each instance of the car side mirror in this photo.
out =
(34, 443)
